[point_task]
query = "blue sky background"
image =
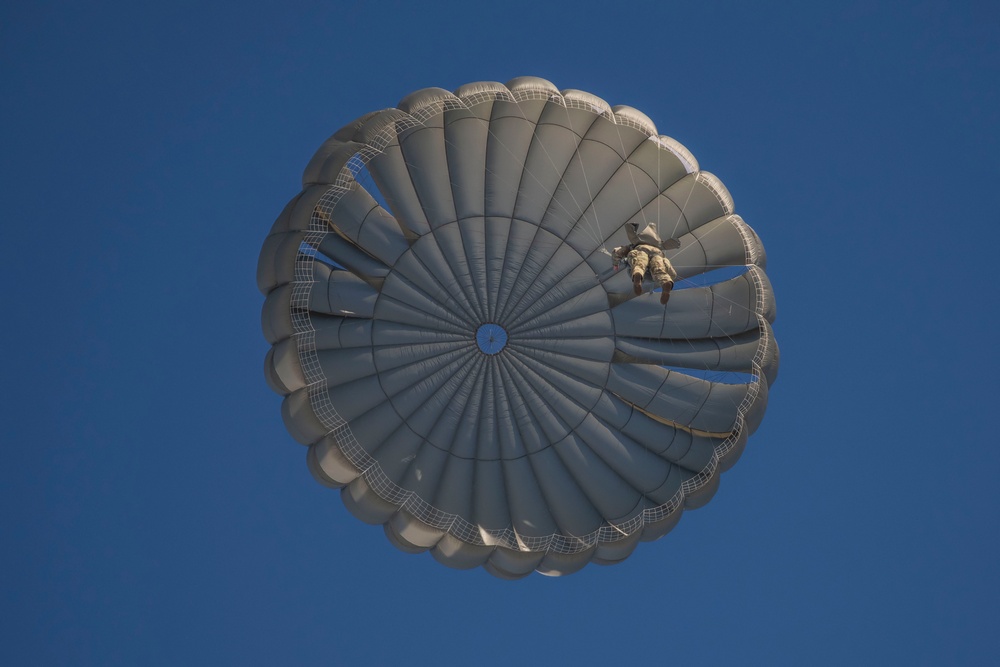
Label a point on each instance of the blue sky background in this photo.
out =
(155, 511)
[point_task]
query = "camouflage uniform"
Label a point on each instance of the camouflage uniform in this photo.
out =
(645, 252)
(644, 256)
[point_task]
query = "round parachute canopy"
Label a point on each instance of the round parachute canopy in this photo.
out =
(464, 359)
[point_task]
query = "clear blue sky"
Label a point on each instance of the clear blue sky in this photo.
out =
(155, 511)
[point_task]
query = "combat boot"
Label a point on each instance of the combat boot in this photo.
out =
(665, 294)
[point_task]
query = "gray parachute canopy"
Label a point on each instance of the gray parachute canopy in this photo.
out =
(648, 236)
(459, 354)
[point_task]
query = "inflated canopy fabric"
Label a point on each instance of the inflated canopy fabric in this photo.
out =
(462, 359)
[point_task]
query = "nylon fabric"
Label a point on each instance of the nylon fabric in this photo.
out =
(462, 359)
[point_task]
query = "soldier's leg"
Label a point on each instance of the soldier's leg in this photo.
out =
(662, 270)
(669, 268)
(639, 260)
(663, 273)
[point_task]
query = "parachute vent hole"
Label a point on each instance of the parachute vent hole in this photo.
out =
(491, 338)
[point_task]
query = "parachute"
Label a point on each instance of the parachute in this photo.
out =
(460, 356)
